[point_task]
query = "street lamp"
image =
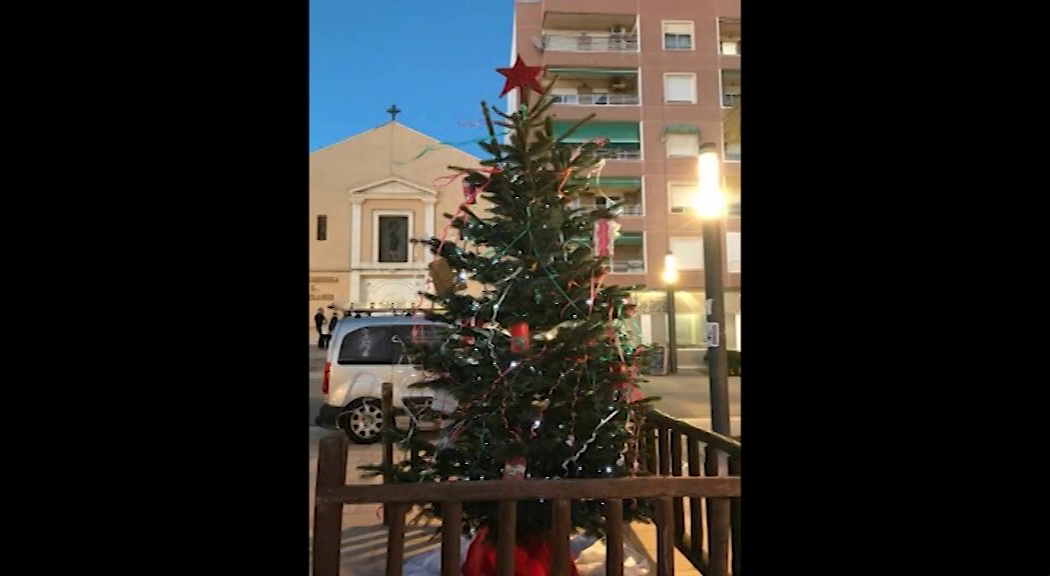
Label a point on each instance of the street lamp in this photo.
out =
(710, 206)
(671, 278)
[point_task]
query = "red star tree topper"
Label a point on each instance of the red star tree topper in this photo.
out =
(520, 76)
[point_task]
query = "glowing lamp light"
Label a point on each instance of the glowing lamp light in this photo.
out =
(709, 201)
(670, 269)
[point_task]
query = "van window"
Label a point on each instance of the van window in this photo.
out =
(418, 333)
(369, 345)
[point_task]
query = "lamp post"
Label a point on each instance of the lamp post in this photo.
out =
(710, 206)
(671, 278)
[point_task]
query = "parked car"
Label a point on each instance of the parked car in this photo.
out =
(364, 353)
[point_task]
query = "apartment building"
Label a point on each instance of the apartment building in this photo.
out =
(663, 77)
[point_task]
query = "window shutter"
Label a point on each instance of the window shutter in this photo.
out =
(679, 28)
(678, 88)
(688, 253)
(681, 196)
(683, 144)
(733, 251)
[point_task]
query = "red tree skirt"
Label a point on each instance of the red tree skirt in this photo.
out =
(531, 558)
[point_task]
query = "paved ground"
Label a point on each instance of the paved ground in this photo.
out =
(684, 395)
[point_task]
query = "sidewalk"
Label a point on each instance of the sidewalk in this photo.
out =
(365, 537)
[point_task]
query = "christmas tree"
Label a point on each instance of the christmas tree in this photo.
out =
(536, 373)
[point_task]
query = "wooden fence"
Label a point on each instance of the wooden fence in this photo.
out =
(661, 453)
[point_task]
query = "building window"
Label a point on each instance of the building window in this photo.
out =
(680, 197)
(688, 252)
(733, 252)
(322, 227)
(628, 254)
(680, 88)
(729, 36)
(393, 238)
(730, 88)
(678, 35)
(734, 207)
(682, 145)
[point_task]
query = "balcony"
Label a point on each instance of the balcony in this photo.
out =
(605, 192)
(729, 36)
(730, 88)
(570, 32)
(629, 254)
(594, 86)
(623, 142)
(620, 152)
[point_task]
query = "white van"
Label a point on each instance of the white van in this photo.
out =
(364, 353)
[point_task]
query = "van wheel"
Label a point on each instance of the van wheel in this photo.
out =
(363, 420)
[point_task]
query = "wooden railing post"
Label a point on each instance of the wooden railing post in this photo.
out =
(613, 537)
(664, 537)
(676, 470)
(388, 445)
(395, 543)
(734, 518)
(696, 521)
(451, 533)
(508, 536)
(561, 511)
(328, 517)
(717, 522)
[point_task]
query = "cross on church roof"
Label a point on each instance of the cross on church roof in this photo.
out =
(393, 112)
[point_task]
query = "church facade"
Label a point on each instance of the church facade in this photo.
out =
(370, 195)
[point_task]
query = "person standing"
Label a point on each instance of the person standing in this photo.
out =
(319, 323)
(331, 328)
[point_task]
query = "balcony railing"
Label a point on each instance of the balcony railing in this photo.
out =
(625, 210)
(596, 99)
(730, 100)
(732, 152)
(618, 154)
(627, 266)
(587, 42)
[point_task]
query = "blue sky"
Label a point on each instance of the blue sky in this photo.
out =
(435, 60)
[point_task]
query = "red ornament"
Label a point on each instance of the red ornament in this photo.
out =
(519, 337)
(532, 557)
(514, 468)
(475, 323)
(470, 192)
(520, 76)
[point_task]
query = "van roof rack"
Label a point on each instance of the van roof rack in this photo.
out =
(360, 312)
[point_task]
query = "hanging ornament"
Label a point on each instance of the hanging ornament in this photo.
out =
(474, 322)
(514, 468)
(520, 76)
(605, 233)
(470, 192)
(519, 337)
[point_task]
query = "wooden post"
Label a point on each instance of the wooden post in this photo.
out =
(676, 470)
(395, 543)
(328, 517)
(388, 446)
(451, 533)
(717, 522)
(664, 537)
(734, 518)
(614, 537)
(505, 544)
(696, 521)
(561, 513)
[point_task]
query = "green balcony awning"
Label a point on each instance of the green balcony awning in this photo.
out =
(606, 182)
(629, 239)
(616, 132)
(595, 72)
(681, 129)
